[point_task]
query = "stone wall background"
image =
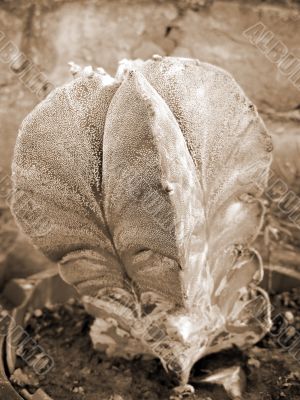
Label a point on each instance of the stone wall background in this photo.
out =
(101, 32)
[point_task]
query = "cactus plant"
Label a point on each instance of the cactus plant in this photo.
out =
(143, 188)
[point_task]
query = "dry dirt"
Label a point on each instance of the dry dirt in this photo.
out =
(80, 373)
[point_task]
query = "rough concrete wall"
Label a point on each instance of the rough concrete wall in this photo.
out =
(100, 33)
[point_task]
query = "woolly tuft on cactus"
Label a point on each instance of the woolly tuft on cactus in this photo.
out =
(144, 188)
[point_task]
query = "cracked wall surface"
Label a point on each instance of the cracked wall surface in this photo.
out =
(100, 33)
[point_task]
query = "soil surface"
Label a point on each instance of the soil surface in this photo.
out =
(272, 367)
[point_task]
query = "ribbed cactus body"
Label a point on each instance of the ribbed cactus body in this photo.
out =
(145, 188)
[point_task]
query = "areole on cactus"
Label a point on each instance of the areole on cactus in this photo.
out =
(146, 189)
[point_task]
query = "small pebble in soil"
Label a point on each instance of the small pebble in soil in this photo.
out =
(253, 362)
(38, 313)
(23, 379)
(183, 391)
(116, 397)
(78, 389)
(85, 371)
(3, 313)
(291, 331)
(289, 316)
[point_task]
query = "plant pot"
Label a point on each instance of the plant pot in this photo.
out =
(26, 295)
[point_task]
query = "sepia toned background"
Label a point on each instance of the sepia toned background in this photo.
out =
(49, 34)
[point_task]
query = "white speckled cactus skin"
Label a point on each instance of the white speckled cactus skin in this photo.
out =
(146, 184)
